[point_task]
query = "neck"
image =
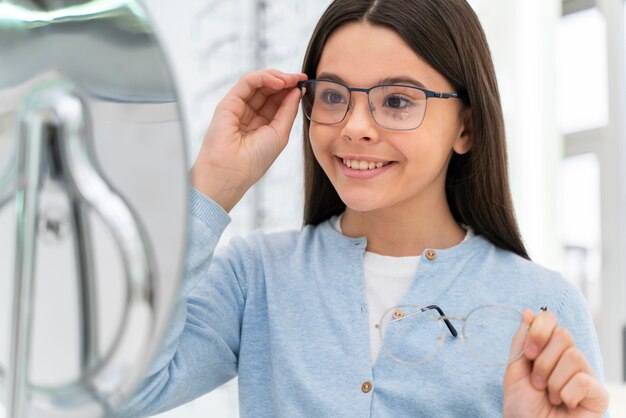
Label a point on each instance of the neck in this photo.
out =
(401, 231)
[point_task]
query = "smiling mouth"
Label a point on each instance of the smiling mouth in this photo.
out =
(364, 165)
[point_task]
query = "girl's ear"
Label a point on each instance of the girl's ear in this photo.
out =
(465, 140)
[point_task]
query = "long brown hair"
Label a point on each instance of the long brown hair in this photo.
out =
(447, 35)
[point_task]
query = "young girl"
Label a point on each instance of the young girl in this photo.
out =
(407, 206)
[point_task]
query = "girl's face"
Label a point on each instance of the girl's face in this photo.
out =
(415, 162)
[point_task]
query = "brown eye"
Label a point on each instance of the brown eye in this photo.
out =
(396, 102)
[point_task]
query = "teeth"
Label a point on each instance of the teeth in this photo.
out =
(362, 165)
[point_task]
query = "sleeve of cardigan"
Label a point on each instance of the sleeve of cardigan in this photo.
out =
(201, 347)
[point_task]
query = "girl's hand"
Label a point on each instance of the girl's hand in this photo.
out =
(250, 128)
(552, 378)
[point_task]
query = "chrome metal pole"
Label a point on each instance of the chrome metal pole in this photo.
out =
(58, 172)
(87, 298)
(29, 156)
(7, 184)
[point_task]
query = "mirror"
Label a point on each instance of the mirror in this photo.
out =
(93, 195)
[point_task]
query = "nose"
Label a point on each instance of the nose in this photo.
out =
(359, 123)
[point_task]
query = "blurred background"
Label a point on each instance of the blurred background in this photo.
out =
(561, 68)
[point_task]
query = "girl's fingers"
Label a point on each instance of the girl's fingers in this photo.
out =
(251, 83)
(539, 334)
(253, 91)
(278, 116)
(570, 363)
(270, 109)
(555, 367)
(236, 100)
(258, 100)
(519, 367)
(286, 114)
(559, 359)
(267, 113)
(586, 391)
(546, 361)
(517, 343)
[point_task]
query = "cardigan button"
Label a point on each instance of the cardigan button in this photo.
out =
(431, 255)
(398, 314)
(366, 387)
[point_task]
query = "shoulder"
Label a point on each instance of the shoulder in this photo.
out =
(261, 256)
(283, 245)
(281, 241)
(515, 279)
(544, 287)
(509, 267)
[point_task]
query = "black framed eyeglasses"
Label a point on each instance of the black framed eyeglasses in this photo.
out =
(392, 106)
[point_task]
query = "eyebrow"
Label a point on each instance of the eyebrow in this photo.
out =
(388, 80)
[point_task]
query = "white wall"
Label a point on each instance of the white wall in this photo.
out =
(521, 34)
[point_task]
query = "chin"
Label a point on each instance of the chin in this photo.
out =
(361, 203)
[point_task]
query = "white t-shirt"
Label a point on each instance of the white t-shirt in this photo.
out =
(387, 280)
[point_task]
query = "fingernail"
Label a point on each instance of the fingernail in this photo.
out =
(532, 351)
(537, 382)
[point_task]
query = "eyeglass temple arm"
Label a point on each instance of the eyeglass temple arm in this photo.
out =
(441, 95)
(453, 330)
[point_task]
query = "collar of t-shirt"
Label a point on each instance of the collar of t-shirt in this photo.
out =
(387, 280)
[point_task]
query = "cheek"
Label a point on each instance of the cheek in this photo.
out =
(321, 138)
(423, 161)
(445, 124)
(315, 144)
(437, 143)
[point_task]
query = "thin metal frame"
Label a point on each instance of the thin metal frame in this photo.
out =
(446, 319)
(430, 94)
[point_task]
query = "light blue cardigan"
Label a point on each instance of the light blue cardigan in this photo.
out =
(287, 313)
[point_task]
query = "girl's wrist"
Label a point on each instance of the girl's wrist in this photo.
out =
(223, 190)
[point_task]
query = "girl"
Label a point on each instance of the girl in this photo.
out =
(407, 203)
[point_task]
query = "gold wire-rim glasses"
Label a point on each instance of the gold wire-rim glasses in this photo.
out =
(398, 313)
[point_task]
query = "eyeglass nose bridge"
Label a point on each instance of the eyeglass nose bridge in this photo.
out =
(371, 106)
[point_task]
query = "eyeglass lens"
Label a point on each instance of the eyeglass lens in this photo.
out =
(489, 331)
(413, 336)
(391, 106)
(410, 335)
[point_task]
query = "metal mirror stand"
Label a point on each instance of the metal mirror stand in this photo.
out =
(56, 146)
